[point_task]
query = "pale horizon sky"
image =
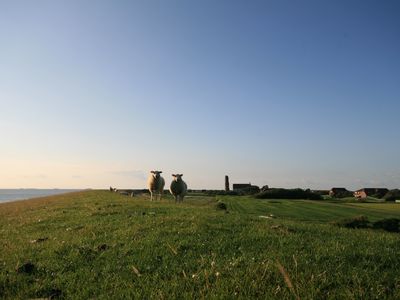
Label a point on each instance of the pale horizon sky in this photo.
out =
(286, 93)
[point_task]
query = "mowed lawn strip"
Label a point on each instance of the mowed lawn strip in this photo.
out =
(98, 244)
(311, 211)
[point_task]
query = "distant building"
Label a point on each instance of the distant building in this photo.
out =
(240, 186)
(245, 188)
(370, 192)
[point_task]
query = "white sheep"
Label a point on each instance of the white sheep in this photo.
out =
(178, 187)
(155, 184)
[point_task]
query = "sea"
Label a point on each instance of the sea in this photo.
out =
(8, 195)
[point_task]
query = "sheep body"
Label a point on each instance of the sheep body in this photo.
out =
(155, 184)
(178, 187)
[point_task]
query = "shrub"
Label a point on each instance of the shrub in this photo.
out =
(222, 193)
(343, 194)
(321, 192)
(392, 195)
(355, 222)
(391, 225)
(251, 190)
(221, 205)
(379, 194)
(288, 194)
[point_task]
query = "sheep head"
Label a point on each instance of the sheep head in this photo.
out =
(156, 174)
(177, 177)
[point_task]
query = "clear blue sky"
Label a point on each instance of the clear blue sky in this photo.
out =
(284, 93)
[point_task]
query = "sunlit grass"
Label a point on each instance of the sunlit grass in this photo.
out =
(98, 244)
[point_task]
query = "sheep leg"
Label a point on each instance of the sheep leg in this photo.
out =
(151, 195)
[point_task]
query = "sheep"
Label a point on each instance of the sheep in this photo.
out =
(155, 184)
(178, 187)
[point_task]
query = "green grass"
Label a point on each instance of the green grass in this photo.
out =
(98, 244)
(312, 211)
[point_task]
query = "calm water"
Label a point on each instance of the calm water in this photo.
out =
(7, 195)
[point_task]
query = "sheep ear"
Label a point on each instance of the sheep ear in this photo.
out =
(160, 172)
(173, 175)
(152, 172)
(181, 175)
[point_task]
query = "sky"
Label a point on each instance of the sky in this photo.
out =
(281, 93)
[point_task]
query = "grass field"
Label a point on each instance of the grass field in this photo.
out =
(98, 244)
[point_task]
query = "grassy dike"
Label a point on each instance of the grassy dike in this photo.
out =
(98, 244)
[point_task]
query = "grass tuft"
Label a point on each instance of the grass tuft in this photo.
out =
(287, 279)
(355, 222)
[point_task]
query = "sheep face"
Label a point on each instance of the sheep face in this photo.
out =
(177, 177)
(156, 174)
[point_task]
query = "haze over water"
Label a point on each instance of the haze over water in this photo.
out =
(7, 195)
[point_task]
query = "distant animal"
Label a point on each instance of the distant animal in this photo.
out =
(155, 184)
(178, 187)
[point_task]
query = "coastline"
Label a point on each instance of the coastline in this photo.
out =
(24, 194)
